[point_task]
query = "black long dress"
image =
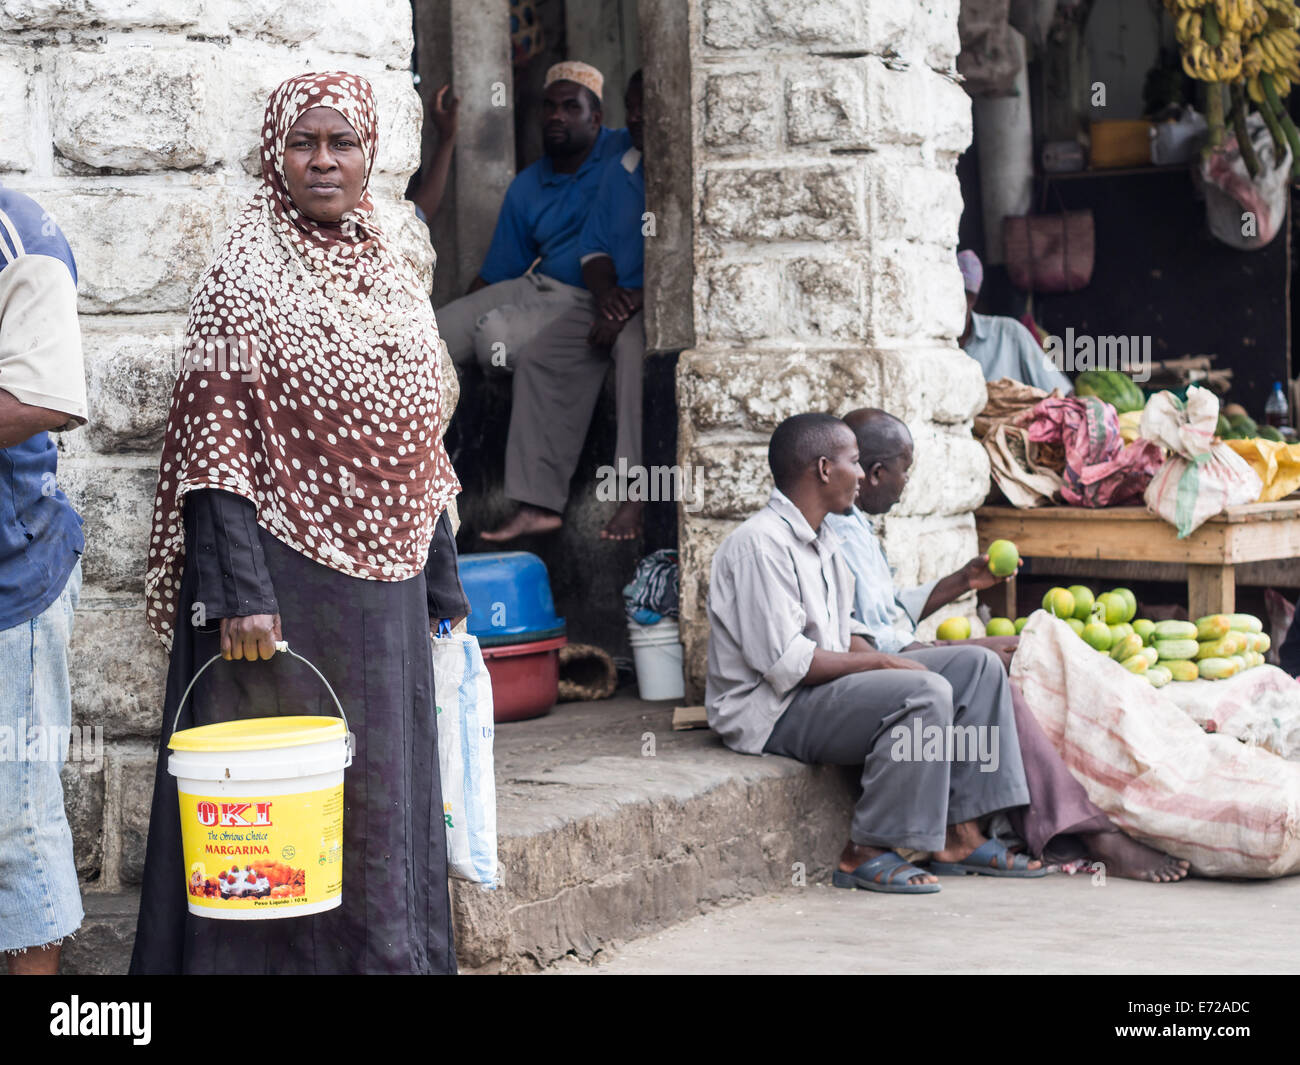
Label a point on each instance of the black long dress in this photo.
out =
(371, 641)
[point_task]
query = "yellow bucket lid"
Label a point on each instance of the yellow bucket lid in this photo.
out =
(258, 733)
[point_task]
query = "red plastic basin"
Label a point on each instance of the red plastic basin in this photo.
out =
(525, 678)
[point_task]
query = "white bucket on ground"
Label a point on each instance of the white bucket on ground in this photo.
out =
(657, 652)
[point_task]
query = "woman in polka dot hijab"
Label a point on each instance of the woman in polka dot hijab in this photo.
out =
(301, 496)
(311, 380)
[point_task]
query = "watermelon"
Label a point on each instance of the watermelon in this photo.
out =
(1110, 386)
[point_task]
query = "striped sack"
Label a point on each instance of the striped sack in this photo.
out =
(1228, 807)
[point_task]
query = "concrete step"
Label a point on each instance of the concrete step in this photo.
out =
(610, 826)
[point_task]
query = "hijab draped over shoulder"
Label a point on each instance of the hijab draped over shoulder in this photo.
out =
(311, 382)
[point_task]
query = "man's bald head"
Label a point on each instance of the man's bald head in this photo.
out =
(880, 435)
(885, 452)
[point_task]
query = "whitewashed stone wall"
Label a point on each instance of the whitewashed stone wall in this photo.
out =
(135, 123)
(826, 208)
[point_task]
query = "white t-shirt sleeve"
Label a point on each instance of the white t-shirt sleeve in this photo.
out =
(40, 341)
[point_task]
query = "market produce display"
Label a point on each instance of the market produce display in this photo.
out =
(1244, 49)
(1211, 648)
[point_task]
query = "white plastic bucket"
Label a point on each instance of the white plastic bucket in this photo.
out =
(261, 811)
(657, 652)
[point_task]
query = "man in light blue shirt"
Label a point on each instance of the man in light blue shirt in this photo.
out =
(1002, 346)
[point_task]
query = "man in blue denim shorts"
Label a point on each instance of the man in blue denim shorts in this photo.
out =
(42, 390)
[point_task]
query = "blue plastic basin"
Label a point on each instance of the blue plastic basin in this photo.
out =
(510, 598)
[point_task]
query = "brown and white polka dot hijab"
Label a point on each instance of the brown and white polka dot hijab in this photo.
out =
(311, 382)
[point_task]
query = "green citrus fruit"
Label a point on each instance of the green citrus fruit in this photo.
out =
(1144, 628)
(1059, 603)
(1000, 627)
(1118, 632)
(1020, 624)
(1004, 557)
(1115, 606)
(1083, 601)
(954, 629)
(1097, 635)
(1130, 601)
(1076, 625)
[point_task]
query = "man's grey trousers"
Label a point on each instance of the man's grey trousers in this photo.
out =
(882, 721)
(536, 328)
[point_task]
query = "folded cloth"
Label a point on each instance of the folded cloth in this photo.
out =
(652, 593)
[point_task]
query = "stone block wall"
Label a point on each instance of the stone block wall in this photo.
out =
(135, 124)
(826, 206)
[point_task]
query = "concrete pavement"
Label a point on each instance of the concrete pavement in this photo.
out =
(1059, 924)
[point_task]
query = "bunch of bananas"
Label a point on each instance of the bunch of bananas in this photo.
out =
(1274, 54)
(1243, 48)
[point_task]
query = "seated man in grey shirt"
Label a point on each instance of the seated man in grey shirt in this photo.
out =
(790, 672)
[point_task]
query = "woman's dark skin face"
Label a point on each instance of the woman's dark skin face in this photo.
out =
(324, 166)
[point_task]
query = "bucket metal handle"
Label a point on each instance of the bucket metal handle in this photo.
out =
(280, 645)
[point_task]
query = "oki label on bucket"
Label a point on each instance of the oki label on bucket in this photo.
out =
(253, 856)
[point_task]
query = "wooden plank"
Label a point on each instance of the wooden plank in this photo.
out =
(1210, 590)
(1256, 542)
(1061, 535)
(688, 717)
(1273, 573)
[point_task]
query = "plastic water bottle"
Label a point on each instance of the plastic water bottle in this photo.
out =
(1276, 412)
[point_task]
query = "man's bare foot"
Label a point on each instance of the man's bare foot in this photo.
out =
(626, 522)
(1132, 860)
(963, 839)
(854, 854)
(527, 521)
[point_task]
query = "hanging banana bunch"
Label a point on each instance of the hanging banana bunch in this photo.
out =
(1244, 49)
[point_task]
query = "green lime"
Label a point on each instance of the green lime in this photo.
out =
(1059, 603)
(1144, 628)
(1076, 625)
(1000, 627)
(1083, 601)
(1130, 601)
(954, 629)
(1097, 635)
(1004, 557)
(1020, 624)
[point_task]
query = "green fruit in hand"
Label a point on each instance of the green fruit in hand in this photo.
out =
(1144, 628)
(1115, 607)
(1076, 625)
(1004, 557)
(1020, 624)
(1130, 601)
(1097, 635)
(954, 629)
(1000, 627)
(1059, 603)
(1083, 601)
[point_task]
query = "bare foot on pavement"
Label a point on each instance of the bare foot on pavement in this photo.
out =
(1132, 860)
(625, 524)
(527, 521)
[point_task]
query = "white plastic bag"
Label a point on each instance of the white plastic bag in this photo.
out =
(1246, 213)
(1200, 477)
(463, 694)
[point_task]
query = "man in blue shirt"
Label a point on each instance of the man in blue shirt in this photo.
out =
(531, 273)
(1002, 346)
(559, 373)
(42, 390)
